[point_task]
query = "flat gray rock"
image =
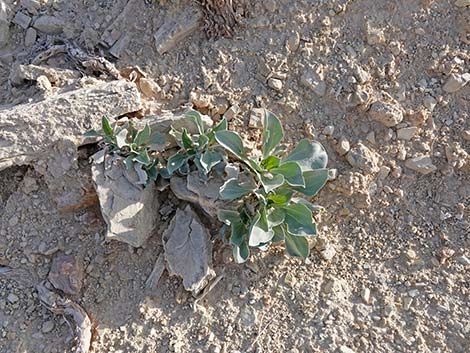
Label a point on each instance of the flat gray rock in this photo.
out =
(129, 210)
(188, 250)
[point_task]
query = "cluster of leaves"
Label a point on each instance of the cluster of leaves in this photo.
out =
(137, 147)
(270, 211)
(200, 148)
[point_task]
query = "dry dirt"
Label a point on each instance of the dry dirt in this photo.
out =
(390, 270)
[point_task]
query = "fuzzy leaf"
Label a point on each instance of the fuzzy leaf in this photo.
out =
(175, 162)
(157, 138)
(270, 184)
(279, 199)
(297, 246)
(314, 181)
(272, 134)
(210, 159)
(195, 117)
(202, 141)
(152, 173)
(279, 234)
(312, 207)
(142, 136)
(299, 220)
(241, 252)
(231, 141)
(121, 138)
(232, 190)
(259, 232)
(309, 155)
(107, 129)
(143, 158)
(291, 172)
(221, 125)
(275, 216)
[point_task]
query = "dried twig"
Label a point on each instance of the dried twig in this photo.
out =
(208, 288)
(63, 306)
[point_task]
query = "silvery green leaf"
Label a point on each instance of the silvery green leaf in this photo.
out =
(309, 155)
(271, 182)
(121, 138)
(221, 125)
(143, 158)
(175, 162)
(312, 207)
(272, 133)
(196, 118)
(202, 141)
(241, 252)
(296, 246)
(299, 221)
(291, 172)
(232, 189)
(275, 216)
(314, 181)
(143, 136)
(259, 234)
(279, 234)
(231, 141)
(209, 159)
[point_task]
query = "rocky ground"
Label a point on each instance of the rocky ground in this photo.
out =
(382, 84)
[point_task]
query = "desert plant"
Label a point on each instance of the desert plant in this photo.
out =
(136, 147)
(270, 211)
(200, 148)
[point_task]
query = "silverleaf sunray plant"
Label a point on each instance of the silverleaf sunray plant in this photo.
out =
(274, 213)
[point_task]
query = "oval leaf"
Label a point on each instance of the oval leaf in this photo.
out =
(272, 134)
(232, 190)
(231, 141)
(259, 235)
(275, 217)
(196, 118)
(106, 126)
(314, 181)
(297, 246)
(210, 159)
(121, 138)
(270, 184)
(241, 252)
(309, 155)
(291, 172)
(143, 135)
(175, 162)
(299, 220)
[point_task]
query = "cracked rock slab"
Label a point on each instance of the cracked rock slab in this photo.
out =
(188, 250)
(30, 132)
(129, 210)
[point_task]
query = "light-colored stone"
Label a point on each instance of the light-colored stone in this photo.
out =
(313, 81)
(345, 349)
(149, 87)
(47, 326)
(176, 29)
(384, 171)
(343, 146)
(49, 24)
(386, 113)
(375, 36)
(12, 298)
(232, 112)
(293, 41)
(328, 252)
(421, 164)
(362, 157)
(275, 84)
(462, 3)
(33, 132)
(22, 20)
(365, 295)
(429, 102)
(30, 37)
(328, 130)
(406, 133)
(455, 82)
